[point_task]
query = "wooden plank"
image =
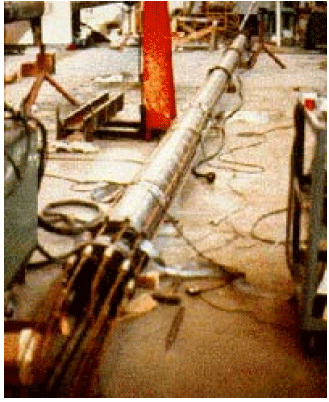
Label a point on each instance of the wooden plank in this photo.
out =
(196, 35)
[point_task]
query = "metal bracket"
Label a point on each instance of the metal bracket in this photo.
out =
(89, 118)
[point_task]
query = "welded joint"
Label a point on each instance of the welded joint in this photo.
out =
(226, 71)
(205, 110)
(239, 51)
(156, 192)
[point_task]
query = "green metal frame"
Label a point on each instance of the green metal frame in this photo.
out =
(307, 196)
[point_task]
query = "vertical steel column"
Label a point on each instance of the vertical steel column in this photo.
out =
(157, 75)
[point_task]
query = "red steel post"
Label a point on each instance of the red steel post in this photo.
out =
(157, 72)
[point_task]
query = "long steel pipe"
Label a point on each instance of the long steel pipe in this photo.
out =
(145, 202)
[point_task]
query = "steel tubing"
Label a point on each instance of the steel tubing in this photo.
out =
(145, 202)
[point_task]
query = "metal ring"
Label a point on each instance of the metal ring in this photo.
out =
(226, 71)
(157, 193)
(236, 49)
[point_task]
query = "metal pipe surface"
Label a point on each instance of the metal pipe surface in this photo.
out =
(145, 202)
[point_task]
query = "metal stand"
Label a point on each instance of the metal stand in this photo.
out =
(34, 91)
(262, 47)
(307, 226)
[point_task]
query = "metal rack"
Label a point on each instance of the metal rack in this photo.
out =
(306, 218)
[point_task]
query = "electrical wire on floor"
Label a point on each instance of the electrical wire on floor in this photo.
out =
(52, 220)
(236, 235)
(58, 258)
(243, 167)
(106, 191)
(218, 123)
(231, 276)
(247, 312)
(254, 236)
(213, 125)
(229, 272)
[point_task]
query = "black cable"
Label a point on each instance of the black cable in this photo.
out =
(63, 223)
(250, 313)
(234, 165)
(236, 236)
(261, 218)
(207, 158)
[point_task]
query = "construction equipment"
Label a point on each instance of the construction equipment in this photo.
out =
(65, 338)
(20, 192)
(307, 217)
(157, 107)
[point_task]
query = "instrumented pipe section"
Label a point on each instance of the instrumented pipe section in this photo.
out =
(144, 203)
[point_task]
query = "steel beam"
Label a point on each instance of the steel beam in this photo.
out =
(91, 116)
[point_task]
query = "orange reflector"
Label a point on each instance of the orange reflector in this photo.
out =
(309, 104)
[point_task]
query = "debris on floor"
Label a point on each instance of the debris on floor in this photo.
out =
(73, 146)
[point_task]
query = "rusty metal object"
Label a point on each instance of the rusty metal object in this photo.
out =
(61, 90)
(158, 92)
(31, 97)
(91, 116)
(175, 326)
(45, 62)
(262, 47)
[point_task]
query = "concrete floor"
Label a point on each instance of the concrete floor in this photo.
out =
(238, 341)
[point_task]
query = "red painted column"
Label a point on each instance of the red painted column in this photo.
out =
(157, 73)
